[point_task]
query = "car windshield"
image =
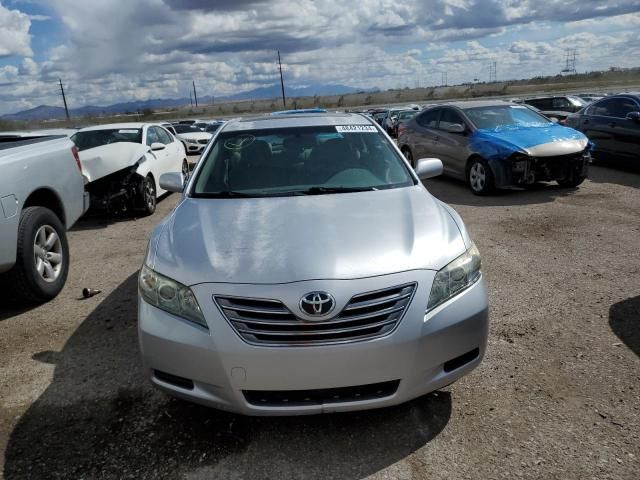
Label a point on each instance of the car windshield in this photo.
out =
(505, 115)
(98, 138)
(180, 128)
(407, 114)
(300, 161)
(212, 128)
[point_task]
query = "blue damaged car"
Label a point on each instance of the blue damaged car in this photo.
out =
(496, 144)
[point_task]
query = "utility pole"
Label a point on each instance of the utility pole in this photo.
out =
(195, 95)
(191, 97)
(284, 100)
(64, 99)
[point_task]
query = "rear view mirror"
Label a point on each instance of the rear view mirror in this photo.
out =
(426, 168)
(172, 182)
(635, 116)
(157, 146)
(455, 128)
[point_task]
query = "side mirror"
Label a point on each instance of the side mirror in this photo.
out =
(456, 128)
(157, 146)
(425, 168)
(172, 182)
(635, 116)
(554, 119)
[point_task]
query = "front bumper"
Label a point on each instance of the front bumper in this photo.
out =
(194, 148)
(219, 369)
(523, 170)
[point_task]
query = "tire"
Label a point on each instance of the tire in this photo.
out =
(42, 260)
(572, 182)
(147, 196)
(185, 170)
(480, 177)
(409, 156)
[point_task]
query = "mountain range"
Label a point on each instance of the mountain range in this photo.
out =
(46, 112)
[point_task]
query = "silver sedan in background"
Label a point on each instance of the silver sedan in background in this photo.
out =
(306, 269)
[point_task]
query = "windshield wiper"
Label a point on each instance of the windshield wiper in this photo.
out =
(324, 190)
(225, 194)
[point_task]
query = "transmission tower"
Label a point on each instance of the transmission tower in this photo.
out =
(570, 61)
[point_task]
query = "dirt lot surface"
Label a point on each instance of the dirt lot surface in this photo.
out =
(558, 395)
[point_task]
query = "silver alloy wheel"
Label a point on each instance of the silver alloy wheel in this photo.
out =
(477, 177)
(47, 253)
(149, 194)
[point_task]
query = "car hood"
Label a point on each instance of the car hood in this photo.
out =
(195, 136)
(101, 161)
(288, 239)
(540, 140)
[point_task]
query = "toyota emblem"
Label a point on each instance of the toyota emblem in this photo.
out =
(317, 304)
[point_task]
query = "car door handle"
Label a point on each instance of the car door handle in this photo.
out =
(585, 122)
(436, 138)
(612, 124)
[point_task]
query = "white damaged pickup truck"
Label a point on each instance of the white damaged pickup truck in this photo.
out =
(41, 196)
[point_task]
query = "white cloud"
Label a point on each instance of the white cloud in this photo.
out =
(14, 33)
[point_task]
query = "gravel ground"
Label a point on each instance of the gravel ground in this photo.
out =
(556, 397)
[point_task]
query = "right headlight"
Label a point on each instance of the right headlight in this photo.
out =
(170, 296)
(455, 277)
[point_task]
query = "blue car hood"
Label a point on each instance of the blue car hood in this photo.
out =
(537, 140)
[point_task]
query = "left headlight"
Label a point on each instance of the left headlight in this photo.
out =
(170, 296)
(455, 277)
(189, 140)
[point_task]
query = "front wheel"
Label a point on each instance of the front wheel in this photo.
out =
(147, 195)
(572, 181)
(42, 260)
(185, 170)
(409, 156)
(480, 177)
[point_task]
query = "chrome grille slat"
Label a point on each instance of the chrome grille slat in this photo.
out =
(374, 303)
(281, 333)
(269, 322)
(338, 320)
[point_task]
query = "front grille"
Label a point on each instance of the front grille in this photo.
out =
(366, 316)
(293, 398)
(203, 142)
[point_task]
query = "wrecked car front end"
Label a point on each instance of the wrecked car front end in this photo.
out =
(523, 155)
(112, 176)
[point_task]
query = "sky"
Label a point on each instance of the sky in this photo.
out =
(108, 51)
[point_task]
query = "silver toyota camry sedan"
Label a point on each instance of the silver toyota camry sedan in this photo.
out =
(306, 269)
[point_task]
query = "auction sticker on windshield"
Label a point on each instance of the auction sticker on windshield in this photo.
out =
(355, 128)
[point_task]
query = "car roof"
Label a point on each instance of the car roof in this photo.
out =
(475, 103)
(290, 121)
(116, 126)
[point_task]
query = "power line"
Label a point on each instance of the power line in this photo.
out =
(284, 101)
(64, 99)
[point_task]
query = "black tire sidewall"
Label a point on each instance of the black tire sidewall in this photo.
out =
(411, 161)
(31, 220)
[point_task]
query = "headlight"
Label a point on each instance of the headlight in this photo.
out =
(455, 277)
(189, 140)
(170, 296)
